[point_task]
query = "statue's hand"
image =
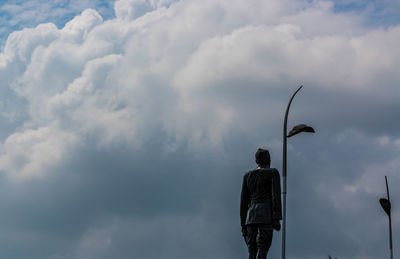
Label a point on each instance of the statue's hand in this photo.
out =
(244, 231)
(277, 225)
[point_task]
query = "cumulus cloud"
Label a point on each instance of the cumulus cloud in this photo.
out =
(34, 150)
(108, 122)
(20, 14)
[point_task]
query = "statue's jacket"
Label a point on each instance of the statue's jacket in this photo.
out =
(260, 201)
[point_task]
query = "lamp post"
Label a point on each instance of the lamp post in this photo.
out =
(296, 129)
(385, 203)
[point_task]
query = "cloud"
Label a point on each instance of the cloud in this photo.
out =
(118, 134)
(33, 151)
(17, 14)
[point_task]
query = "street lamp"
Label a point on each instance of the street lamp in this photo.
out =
(296, 130)
(385, 203)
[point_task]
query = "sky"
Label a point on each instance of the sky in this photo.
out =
(127, 126)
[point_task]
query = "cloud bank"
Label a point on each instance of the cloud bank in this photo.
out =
(128, 137)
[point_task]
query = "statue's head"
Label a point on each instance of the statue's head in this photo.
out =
(263, 157)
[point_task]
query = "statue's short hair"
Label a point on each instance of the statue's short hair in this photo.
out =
(263, 157)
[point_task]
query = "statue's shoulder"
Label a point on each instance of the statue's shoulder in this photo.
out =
(274, 171)
(250, 172)
(271, 170)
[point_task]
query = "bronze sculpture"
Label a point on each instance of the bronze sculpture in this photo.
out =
(260, 206)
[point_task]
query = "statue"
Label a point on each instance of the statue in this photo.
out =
(260, 206)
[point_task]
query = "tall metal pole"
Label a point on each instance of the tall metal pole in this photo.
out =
(284, 187)
(390, 221)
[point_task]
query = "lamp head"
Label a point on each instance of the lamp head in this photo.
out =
(300, 128)
(385, 203)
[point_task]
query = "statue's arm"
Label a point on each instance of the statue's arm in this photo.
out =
(276, 196)
(244, 201)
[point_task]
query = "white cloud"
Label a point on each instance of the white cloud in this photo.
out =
(131, 9)
(177, 66)
(21, 44)
(28, 13)
(80, 80)
(79, 27)
(33, 151)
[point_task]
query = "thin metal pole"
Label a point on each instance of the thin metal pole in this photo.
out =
(390, 221)
(284, 175)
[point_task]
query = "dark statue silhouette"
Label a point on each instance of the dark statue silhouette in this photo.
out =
(260, 206)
